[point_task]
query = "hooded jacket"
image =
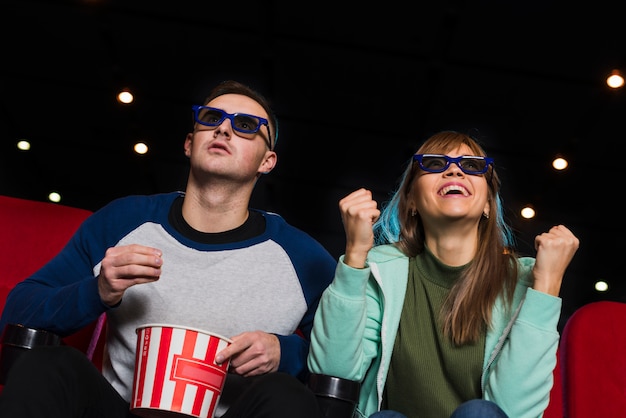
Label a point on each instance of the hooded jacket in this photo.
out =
(357, 320)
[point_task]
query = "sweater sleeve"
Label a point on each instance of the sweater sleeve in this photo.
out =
(346, 330)
(62, 296)
(521, 379)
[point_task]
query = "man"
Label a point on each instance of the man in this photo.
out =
(201, 259)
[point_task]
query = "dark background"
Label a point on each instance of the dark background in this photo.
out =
(356, 86)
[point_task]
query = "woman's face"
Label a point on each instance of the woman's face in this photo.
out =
(450, 195)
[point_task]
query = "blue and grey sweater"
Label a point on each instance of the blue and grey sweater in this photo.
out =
(270, 282)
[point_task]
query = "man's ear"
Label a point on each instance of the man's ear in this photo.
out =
(187, 144)
(269, 162)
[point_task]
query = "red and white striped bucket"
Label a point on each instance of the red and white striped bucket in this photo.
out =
(175, 371)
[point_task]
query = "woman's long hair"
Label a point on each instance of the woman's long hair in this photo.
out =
(467, 310)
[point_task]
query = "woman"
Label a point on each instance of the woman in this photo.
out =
(441, 318)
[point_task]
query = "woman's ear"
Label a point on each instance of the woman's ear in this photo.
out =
(487, 210)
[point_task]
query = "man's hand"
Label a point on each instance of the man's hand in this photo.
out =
(252, 353)
(126, 266)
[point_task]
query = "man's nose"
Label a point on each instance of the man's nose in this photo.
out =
(224, 127)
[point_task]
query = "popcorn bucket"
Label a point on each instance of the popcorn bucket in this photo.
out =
(175, 372)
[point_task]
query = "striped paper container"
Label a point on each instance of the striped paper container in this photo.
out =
(175, 371)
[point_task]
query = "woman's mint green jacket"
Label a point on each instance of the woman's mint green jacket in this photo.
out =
(356, 323)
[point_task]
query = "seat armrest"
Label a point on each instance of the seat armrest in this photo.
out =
(16, 339)
(337, 397)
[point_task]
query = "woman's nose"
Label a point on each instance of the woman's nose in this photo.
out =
(454, 169)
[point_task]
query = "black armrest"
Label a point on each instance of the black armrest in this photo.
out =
(337, 397)
(16, 339)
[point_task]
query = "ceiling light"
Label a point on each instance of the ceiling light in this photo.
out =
(601, 286)
(140, 148)
(23, 145)
(615, 80)
(54, 197)
(125, 96)
(528, 212)
(559, 163)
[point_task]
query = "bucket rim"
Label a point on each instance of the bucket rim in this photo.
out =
(183, 327)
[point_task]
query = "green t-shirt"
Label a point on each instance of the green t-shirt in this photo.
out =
(428, 376)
